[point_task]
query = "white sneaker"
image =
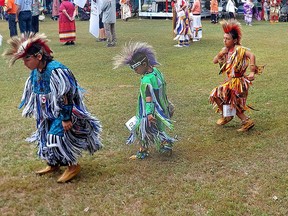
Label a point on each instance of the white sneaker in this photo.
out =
(194, 40)
(178, 45)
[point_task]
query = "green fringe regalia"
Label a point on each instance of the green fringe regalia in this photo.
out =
(150, 133)
(154, 85)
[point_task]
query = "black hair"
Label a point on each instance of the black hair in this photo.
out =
(139, 57)
(234, 34)
(37, 48)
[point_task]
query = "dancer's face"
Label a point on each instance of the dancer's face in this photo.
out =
(141, 69)
(229, 42)
(32, 61)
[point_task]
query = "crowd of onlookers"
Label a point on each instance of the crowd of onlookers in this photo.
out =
(27, 13)
(261, 9)
(268, 10)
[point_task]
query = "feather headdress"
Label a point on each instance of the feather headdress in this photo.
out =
(126, 57)
(20, 45)
(232, 27)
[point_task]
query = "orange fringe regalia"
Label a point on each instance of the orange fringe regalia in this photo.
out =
(234, 90)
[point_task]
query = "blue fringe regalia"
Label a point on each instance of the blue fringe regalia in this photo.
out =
(51, 97)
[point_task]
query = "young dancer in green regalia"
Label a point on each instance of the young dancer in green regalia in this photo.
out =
(153, 110)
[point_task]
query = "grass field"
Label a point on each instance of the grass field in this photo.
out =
(213, 170)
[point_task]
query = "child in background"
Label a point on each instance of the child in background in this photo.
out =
(125, 9)
(196, 20)
(182, 29)
(154, 110)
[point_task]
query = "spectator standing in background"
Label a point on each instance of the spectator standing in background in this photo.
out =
(274, 10)
(24, 15)
(55, 9)
(196, 16)
(125, 9)
(108, 9)
(2, 11)
(67, 27)
(102, 34)
(248, 12)
(214, 11)
(182, 28)
(35, 15)
(230, 8)
(266, 8)
(11, 9)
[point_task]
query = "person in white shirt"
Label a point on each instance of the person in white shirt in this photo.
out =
(230, 8)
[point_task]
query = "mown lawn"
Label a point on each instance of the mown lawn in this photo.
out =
(213, 170)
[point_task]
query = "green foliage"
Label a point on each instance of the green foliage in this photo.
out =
(213, 170)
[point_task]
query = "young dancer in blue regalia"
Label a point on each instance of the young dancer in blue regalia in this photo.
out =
(53, 97)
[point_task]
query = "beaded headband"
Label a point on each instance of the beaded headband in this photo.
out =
(137, 64)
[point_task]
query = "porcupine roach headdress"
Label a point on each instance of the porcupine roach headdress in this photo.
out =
(19, 46)
(233, 28)
(129, 54)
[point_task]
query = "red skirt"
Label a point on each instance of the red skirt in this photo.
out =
(67, 31)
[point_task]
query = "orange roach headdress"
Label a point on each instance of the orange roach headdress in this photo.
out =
(21, 46)
(233, 28)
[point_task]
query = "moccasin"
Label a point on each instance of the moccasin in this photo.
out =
(47, 169)
(69, 174)
(247, 125)
(224, 120)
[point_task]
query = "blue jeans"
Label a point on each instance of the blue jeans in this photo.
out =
(25, 21)
(12, 25)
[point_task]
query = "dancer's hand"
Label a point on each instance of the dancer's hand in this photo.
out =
(224, 51)
(151, 119)
(67, 125)
(251, 76)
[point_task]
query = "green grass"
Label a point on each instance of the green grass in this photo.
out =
(213, 170)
